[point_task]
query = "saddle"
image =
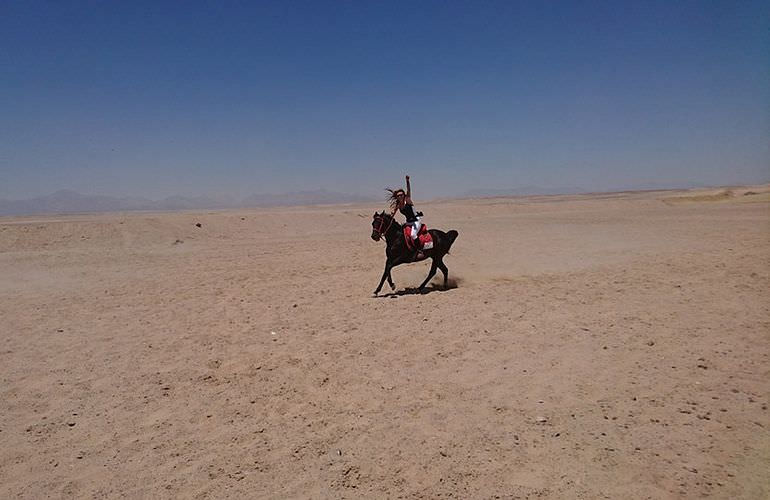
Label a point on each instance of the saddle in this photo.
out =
(424, 240)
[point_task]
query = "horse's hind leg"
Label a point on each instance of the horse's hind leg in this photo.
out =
(444, 270)
(390, 281)
(431, 274)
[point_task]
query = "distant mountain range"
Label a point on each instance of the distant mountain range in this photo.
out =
(66, 201)
(520, 191)
(317, 197)
(540, 190)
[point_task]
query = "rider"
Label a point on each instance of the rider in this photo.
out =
(402, 201)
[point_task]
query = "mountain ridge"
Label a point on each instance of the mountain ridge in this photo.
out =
(69, 201)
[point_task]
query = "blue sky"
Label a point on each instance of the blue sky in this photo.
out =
(232, 98)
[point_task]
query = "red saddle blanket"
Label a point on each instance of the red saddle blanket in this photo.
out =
(424, 239)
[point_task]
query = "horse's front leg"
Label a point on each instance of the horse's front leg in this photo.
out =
(385, 274)
(390, 281)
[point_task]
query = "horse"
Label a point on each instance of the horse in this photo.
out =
(397, 252)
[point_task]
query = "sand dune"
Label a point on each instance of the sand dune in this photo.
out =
(745, 194)
(593, 347)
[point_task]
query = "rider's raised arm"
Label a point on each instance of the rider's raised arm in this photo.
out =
(408, 189)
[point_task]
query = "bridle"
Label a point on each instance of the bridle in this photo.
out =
(379, 230)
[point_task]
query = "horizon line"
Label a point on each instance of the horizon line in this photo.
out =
(363, 201)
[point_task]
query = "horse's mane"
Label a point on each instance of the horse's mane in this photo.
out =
(397, 224)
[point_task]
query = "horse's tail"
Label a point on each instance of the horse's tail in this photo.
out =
(451, 236)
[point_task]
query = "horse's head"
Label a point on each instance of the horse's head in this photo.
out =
(381, 222)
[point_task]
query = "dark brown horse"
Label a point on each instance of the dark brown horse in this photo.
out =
(396, 251)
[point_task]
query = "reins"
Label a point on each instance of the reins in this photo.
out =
(382, 222)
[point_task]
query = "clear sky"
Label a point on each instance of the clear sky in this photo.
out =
(236, 97)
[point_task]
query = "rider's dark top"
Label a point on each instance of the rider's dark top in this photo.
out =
(408, 212)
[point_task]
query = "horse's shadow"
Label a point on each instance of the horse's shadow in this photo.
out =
(417, 291)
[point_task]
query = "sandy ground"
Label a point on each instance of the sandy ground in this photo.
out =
(608, 346)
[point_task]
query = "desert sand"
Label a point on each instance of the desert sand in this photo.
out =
(592, 346)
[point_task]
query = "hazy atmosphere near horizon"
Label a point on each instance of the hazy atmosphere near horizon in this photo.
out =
(154, 99)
